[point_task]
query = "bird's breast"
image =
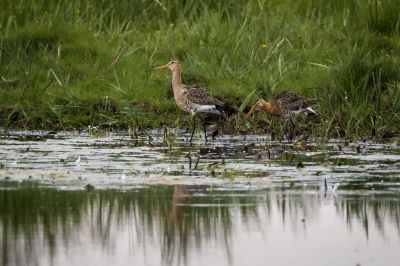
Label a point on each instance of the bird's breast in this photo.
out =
(184, 104)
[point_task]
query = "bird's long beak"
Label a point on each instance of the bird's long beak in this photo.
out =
(252, 110)
(161, 67)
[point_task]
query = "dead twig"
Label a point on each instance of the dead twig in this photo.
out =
(117, 56)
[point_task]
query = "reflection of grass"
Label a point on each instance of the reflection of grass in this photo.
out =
(56, 215)
(37, 213)
(163, 213)
(370, 211)
(77, 64)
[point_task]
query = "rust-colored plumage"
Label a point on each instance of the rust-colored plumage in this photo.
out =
(285, 105)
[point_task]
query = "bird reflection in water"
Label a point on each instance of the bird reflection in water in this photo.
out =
(180, 195)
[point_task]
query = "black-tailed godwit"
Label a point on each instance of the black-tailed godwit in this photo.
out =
(193, 98)
(286, 105)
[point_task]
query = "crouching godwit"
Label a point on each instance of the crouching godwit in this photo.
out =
(194, 98)
(286, 105)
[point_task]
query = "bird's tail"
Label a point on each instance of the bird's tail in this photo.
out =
(311, 112)
(228, 109)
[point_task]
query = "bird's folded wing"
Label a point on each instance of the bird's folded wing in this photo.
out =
(199, 95)
(287, 96)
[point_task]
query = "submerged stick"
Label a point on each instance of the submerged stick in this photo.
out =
(190, 161)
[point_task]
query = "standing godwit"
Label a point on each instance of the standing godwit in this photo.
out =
(286, 105)
(193, 98)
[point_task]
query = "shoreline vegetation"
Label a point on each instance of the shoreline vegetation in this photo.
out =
(68, 65)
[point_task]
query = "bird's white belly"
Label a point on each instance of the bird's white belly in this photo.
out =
(198, 108)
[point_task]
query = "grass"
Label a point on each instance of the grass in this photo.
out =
(68, 65)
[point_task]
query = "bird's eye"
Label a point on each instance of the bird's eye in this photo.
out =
(171, 62)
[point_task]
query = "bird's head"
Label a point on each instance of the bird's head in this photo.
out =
(173, 65)
(260, 104)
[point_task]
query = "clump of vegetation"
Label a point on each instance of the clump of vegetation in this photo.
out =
(68, 65)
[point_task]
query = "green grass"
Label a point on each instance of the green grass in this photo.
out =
(60, 54)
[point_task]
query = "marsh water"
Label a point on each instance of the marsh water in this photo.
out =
(72, 198)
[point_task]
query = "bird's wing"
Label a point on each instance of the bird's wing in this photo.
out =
(199, 95)
(287, 96)
(293, 101)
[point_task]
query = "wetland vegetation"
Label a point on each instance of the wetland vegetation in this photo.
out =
(95, 165)
(72, 64)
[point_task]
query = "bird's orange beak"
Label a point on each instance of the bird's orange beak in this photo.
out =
(252, 110)
(161, 67)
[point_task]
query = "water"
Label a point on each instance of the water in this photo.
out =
(241, 200)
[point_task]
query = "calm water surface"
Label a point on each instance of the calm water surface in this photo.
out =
(241, 200)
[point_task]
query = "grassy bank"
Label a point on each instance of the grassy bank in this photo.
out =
(70, 64)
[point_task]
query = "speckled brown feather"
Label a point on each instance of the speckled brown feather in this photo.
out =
(199, 95)
(289, 103)
(292, 101)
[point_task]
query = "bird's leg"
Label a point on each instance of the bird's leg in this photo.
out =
(205, 131)
(204, 128)
(292, 127)
(193, 129)
(285, 129)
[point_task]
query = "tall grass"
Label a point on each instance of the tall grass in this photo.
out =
(62, 59)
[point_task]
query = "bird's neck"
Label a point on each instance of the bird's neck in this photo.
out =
(270, 108)
(176, 78)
